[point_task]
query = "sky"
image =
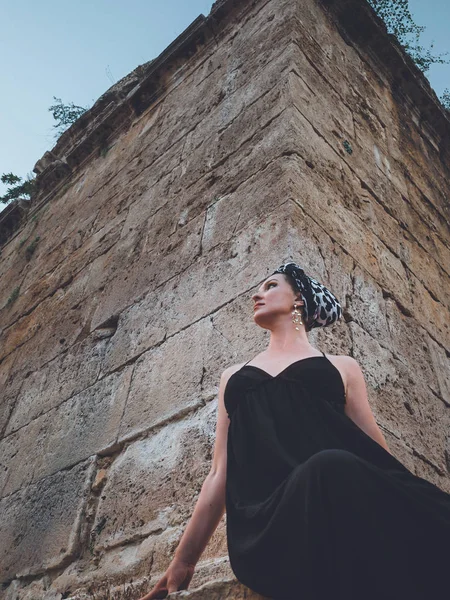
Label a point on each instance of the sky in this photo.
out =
(76, 50)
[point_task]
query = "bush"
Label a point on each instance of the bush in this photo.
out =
(65, 115)
(399, 22)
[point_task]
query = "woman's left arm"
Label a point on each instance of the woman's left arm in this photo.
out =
(357, 406)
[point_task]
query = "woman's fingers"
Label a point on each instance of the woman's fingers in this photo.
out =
(177, 577)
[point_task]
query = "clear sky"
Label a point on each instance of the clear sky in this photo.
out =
(77, 50)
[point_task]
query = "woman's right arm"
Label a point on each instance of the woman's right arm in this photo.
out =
(208, 511)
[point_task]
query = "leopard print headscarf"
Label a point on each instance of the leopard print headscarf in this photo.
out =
(321, 307)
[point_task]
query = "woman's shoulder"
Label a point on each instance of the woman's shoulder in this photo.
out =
(228, 372)
(343, 359)
(346, 365)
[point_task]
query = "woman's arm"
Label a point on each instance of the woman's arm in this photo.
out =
(357, 405)
(210, 505)
(207, 513)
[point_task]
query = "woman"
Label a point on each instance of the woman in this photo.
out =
(317, 506)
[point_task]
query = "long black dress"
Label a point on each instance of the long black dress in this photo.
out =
(316, 509)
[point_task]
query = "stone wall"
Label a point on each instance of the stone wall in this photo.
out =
(270, 130)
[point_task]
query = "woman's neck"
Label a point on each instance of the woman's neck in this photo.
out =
(288, 341)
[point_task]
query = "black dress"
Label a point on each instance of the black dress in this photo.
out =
(316, 509)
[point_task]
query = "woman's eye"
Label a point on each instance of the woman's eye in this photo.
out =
(272, 283)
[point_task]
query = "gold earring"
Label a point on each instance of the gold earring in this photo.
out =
(297, 317)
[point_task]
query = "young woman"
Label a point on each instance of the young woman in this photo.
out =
(317, 506)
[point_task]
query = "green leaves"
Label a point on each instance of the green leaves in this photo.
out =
(65, 115)
(445, 99)
(399, 21)
(18, 188)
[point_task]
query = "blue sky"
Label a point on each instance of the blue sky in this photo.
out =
(76, 51)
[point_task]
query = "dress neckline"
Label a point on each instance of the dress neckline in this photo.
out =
(286, 368)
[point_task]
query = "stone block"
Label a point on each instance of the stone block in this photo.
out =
(257, 197)
(241, 109)
(428, 271)
(153, 484)
(431, 314)
(84, 425)
(43, 334)
(422, 165)
(18, 334)
(366, 99)
(19, 453)
(10, 386)
(440, 362)
(409, 343)
(330, 60)
(169, 379)
(39, 525)
(250, 125)
(66, 375)
(401, 399)
(376, 362)
(213, 589)
(39, 588)
(149, 267)
(440, 251)
(266, 145)
(434, 224)
(367, 307)
(370, 159)
(155, 209)
(311, 95)
(71, 256)
(423, 419)
(126, 184)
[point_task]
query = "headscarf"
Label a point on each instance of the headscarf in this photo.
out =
(321, 307)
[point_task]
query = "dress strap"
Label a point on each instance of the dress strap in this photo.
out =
(323, 353)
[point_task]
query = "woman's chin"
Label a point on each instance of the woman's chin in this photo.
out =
(261, 320)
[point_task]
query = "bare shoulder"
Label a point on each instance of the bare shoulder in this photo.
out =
(344, 360)
(346, 365)
(228, 372)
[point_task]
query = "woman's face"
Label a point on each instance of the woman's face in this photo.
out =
(274, 298)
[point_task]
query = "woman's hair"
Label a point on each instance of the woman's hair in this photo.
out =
(294, 288)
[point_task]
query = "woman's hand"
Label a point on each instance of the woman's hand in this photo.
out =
(177, 577)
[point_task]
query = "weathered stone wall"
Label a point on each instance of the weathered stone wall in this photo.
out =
(273, 129)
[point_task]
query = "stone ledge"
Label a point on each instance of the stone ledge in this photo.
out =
(40, 524)
(226, 589)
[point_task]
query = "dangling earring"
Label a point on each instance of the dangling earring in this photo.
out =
(297, 317)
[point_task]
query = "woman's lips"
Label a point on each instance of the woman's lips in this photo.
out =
(259, 304)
